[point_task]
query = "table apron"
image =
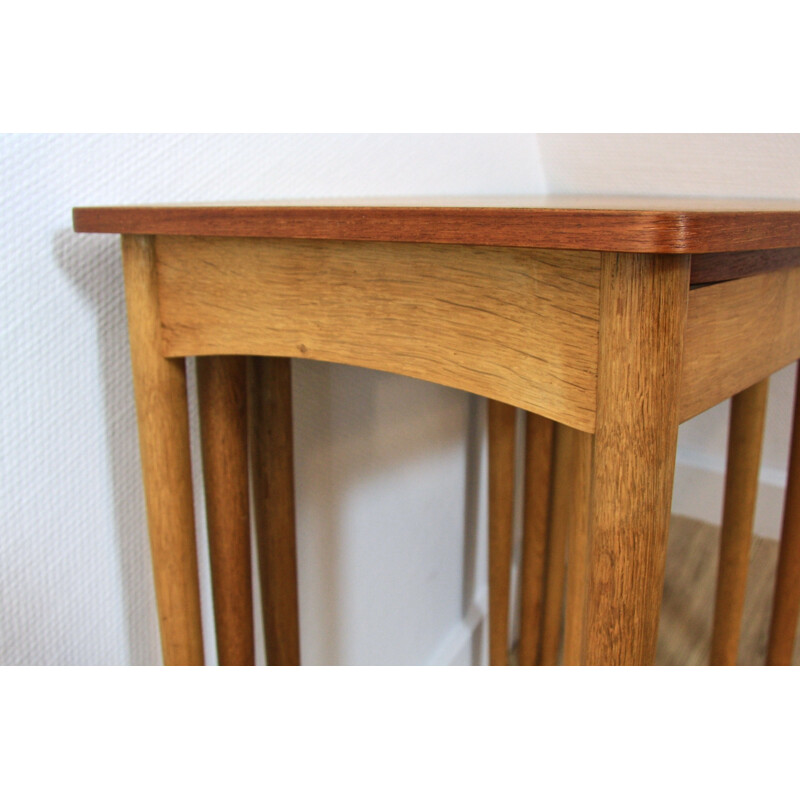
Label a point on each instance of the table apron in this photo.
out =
(517, 325)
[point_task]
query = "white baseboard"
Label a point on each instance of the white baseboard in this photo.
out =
(699, 490)
(456, 649)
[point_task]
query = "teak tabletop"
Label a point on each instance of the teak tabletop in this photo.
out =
(629, 224)
(609, 319)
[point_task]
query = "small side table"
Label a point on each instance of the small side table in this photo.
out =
(617, 318)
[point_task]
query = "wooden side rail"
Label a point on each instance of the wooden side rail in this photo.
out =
(512, 324)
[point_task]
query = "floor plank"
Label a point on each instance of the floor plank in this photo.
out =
(688, 604)
(684, 634)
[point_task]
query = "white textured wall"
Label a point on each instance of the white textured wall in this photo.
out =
(732, 165)
(389, 557)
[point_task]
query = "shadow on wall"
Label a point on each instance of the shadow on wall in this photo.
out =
(380, 535)
(352, 427)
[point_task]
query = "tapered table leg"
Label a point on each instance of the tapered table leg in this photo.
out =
(538, 468)
(745, 437)
(161, 409)
(643, 303)
(579, 446)
(786, 604)
(558, 530)
(502, 427)
(222, 392)
(270, 409)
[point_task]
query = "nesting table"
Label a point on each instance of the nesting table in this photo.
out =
(616, 318)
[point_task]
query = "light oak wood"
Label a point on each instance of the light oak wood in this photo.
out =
(738, 333)
(162, 413)
(538, 469)
(503, 323)
(272, 455)
(502, 436)
(786, 602)
(222, 394)
(643, 301)
(579, 222)
(578, 554)
(746, 432)
(557, 532)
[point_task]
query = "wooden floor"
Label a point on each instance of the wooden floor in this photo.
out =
(684, 634)
(688, 604)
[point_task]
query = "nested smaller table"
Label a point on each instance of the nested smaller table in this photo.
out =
(616, 318)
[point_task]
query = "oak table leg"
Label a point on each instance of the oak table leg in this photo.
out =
(502, 427)
(558, 528)
(741, 488)
(580, 459)
(270, 410)
(643, 303)
(786, 604)
(222, 393)
(162, 412)
(538, 467)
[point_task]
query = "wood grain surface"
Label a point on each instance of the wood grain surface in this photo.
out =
(643, 313)
(738, 333)
(745, 435)
(561, 500)
(629, 224)
(579, 446)
(501, 423)
(272, 459)
(222, 400)
(162, 413)
(515, 325)
(538, 471)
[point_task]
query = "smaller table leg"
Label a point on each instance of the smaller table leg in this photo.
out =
(558, 530)
(538, 468)
(502, 429)
(577, 590)
(741, 488)
(222, 392)
(272, 456)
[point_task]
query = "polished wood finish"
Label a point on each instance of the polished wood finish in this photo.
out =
(557, 532)
(715, 267)
(272, 457)
(502, 438)
(786, 603)
(222, 396)
(579, 445)
(515, 325)
(746, 432)
(643, 301)
(162, 413)
(737, 334)
(578, 222)
(538, 469)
